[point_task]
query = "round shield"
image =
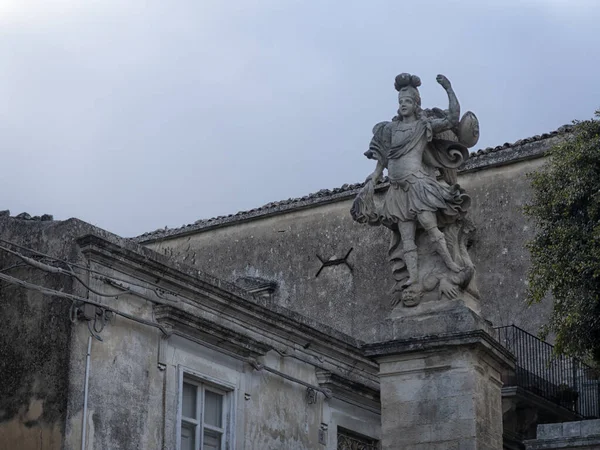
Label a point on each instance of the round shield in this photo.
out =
(468, 130)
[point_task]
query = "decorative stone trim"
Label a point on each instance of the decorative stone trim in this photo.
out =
(353, 393)
(209, 331)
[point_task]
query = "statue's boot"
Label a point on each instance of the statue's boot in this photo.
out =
(411, 261)
(442, 249)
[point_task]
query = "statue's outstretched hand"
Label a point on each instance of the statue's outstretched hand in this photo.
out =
(443, 81)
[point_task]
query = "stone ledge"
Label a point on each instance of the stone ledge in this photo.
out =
(519, 394)
(349, 391)
(444, 317)
(582, 428)
(567, 435)
(437, 325)
(421, 344)
(209, 331)
(564, 444)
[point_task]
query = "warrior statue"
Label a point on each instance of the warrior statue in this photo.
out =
(424, 206)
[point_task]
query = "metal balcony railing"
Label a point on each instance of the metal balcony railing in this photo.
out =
(565, 381)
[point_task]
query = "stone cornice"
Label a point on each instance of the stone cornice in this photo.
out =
(353, 393)
(210, 332)
(478, 338)
(233, 315)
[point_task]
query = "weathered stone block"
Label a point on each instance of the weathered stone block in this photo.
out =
(432, 319)
(590, 427)
(440, 380)
(584, 435)
(571, 429)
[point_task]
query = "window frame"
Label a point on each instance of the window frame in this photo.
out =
(357, 437)
(203, 382)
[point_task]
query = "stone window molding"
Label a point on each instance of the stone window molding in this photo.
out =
(205, 412)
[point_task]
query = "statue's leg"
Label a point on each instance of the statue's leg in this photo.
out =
(407, 234)
(429, 223)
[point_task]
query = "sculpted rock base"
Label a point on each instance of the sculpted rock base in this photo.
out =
(435, 281)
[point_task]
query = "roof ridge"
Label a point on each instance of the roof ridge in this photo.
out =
(477, 160)
(538, 137)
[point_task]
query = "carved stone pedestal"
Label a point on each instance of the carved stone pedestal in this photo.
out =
(440, 380)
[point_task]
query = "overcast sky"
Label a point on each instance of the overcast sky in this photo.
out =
(135, 115)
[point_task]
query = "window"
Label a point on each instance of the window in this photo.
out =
(204, 416)
(347, 440)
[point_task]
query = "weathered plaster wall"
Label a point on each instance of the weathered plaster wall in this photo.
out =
(125, 400)
(132, 401)
(271, 413)
(34, 340)
(285, 248)
(498, 251)
(42, 356)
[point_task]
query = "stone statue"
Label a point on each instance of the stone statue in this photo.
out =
(424, 206)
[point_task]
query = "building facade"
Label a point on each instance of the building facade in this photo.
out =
(250, 331)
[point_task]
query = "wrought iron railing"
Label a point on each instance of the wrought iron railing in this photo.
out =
(346, 440)
(565, 381)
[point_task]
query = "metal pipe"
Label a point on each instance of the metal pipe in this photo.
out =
(85, 393)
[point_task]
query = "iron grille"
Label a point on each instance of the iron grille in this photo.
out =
(346, 440)
(565, 381)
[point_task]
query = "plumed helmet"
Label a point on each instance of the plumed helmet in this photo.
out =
(407, 84)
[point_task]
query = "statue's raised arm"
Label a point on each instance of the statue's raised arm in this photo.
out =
(452, 116)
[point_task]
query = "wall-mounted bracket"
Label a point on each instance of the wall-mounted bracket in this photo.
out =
(333, 261)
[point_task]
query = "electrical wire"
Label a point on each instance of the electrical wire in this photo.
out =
(53, 269)
(167, 333)
(87, 269)
(54, 293)
(57, 270)
(14, 266)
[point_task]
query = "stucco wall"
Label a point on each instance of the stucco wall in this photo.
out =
(135, 373)
(134, 403)
(271, 413)
(34, 339)
(125, 399)
(498, 251)
(133, 387)
(284, 248)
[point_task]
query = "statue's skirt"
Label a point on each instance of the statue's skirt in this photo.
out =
(416, 193)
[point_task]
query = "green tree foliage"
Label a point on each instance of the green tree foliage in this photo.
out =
(565, 252)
